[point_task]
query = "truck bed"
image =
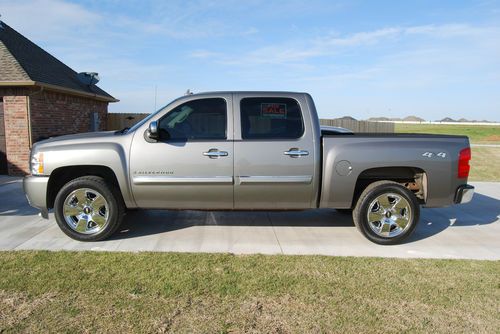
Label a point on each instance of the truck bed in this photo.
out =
(348, 157)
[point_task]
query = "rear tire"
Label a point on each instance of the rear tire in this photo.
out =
(89, 209)
(386, 213)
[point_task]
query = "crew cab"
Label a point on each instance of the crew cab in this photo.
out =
(246, 151)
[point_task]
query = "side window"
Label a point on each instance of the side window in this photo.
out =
(197, 119)
(270, 118)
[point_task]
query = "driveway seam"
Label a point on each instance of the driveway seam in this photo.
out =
(274, 231)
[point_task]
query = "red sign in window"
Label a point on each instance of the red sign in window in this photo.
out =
(273, 110)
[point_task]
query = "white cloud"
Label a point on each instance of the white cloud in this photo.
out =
(327, 46)
(44, 20)
(204, 54)
(270, 55)
(184, 27)
(360, 38)
(250, 31)
(451, 30)
(57, 20)
(299, 51)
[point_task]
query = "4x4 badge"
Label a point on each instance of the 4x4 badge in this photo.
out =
(431, 154)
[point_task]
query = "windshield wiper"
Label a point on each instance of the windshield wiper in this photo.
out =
(122, 131)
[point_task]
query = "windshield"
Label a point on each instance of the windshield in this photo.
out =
(145, 120)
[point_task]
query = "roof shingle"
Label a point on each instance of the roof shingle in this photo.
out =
(22, 60)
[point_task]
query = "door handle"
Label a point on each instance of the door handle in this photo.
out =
(295, 153)
(214, 153)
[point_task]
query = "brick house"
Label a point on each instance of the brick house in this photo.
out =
(41, 97)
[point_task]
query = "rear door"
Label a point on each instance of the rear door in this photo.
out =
(274, 152)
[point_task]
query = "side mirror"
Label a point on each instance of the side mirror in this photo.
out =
(153, 131)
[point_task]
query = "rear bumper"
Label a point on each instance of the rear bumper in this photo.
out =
(464, 194)
(35, 188)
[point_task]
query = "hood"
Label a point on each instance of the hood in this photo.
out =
(79, 138)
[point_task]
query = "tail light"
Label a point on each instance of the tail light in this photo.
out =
(463, 163)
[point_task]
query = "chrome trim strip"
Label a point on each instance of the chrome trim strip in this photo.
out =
(161, 180)
(295, 179)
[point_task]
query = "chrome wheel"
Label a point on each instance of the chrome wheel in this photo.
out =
(86, 211)
(389, 215)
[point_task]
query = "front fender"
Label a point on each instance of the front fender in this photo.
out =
(111, 155)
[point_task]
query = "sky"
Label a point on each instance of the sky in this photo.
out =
(431, 59)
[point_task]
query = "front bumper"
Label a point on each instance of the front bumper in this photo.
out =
(464, 194)
(35, 188)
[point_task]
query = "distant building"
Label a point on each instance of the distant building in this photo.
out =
(41, 97)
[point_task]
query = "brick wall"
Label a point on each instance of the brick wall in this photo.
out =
(55, 114)
(16, 130)
(51, 113)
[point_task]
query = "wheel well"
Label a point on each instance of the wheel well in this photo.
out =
(60, 176)
(413, 178)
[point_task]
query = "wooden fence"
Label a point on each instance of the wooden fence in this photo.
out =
(118, 121)
(360, 126)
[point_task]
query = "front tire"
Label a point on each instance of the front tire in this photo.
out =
(88, 209)
(386, 212)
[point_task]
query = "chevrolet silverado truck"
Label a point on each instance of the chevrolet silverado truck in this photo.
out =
(245, 151)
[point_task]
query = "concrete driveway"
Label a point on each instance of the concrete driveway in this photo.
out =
(470, 231)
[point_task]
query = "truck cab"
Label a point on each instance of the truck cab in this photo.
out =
(228, 151)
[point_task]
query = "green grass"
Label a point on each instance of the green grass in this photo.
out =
(484, 164)
(218, 293)
(476, 133)
(484, 159)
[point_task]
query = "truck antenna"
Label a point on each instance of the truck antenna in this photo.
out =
(156, 91)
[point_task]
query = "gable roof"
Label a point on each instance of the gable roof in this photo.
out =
(23, 63)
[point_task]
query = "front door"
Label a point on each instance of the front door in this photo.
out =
(3, 150)
(274, 153)
(191, 166)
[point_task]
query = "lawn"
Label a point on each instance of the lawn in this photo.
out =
(476, 133)
(219, 293)
(485, 164)
(485, 160)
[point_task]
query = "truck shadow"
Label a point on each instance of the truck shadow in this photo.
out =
(482, 210)
(146, 222)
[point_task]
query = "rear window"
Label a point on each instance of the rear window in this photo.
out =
(271, 118)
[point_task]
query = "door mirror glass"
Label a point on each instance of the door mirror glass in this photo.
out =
(153, 130)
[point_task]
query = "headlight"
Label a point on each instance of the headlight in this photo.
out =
(37, 164)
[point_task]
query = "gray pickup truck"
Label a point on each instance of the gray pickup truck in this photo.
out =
(246, 151)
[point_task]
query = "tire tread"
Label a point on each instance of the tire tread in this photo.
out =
(85, 181)
(359, 207)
